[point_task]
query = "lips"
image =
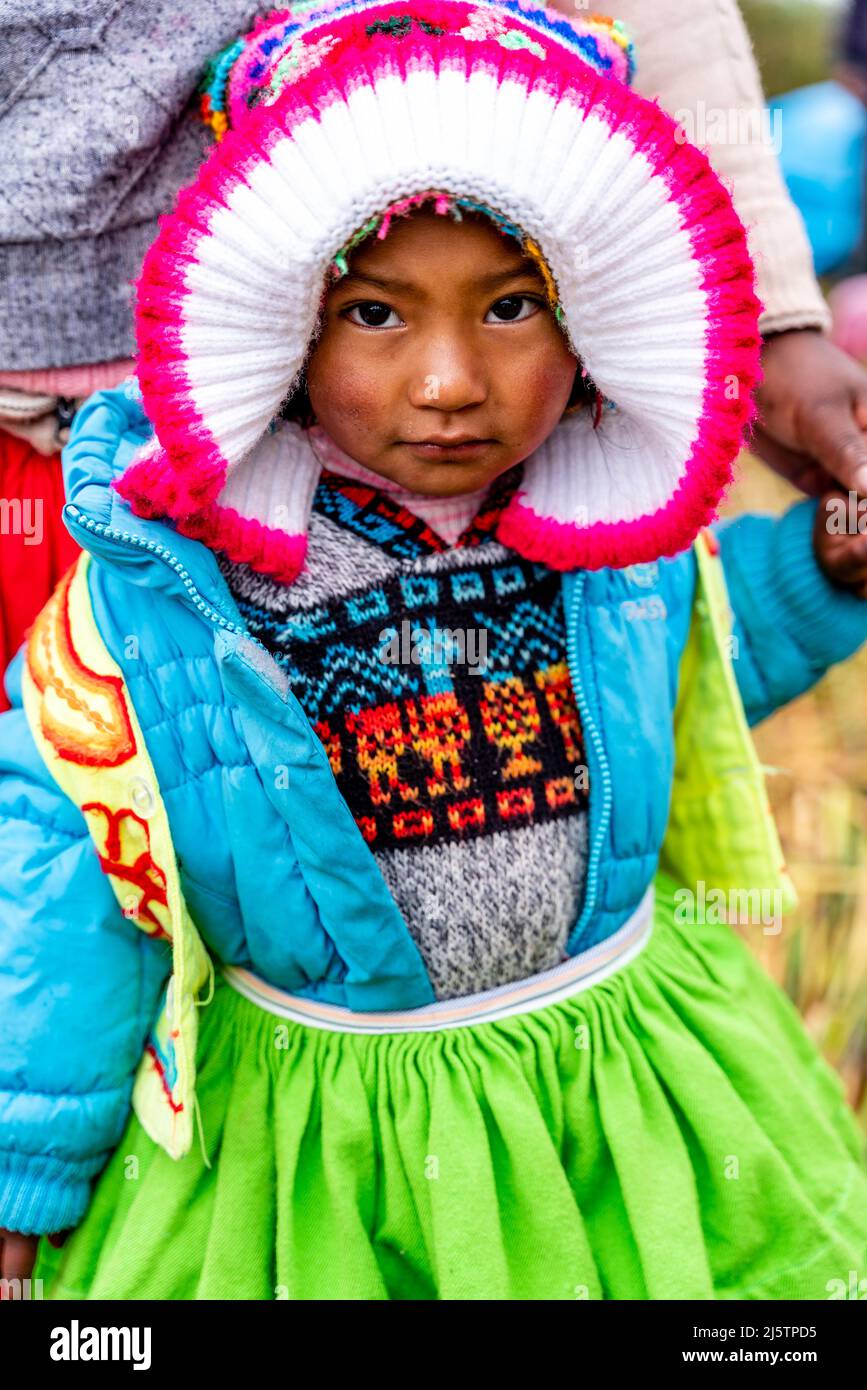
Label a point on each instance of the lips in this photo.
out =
(454, 443)
(460, 447)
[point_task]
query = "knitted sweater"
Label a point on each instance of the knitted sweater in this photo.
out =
(447, 516)
(98, 134)
(435, 675)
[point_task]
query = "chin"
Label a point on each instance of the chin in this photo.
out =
(452, 480)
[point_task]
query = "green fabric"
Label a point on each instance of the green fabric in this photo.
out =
(669, 1133)
(720, 828)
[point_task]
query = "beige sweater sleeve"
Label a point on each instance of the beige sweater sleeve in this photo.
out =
(696, 57)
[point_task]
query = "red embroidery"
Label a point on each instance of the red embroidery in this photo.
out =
(559, 791)
(161, 1073)
(83, 715)
(510, 717)
(143, 872)
(556, 685)
(438, 727)
(515, 803)
(467, 813)
(413, 824)
(710, 538)
(381, 740)
(331, 743)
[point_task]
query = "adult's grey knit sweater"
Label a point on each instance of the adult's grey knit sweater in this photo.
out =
(98, 132)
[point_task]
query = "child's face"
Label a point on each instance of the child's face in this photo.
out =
(439, 333)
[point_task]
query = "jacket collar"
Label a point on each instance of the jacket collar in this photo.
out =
(109, 431)
(148, 552)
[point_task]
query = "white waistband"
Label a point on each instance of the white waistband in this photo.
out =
(521, 996)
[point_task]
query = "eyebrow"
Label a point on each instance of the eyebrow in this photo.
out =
(489, 281)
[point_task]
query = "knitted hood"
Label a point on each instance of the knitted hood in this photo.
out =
(327, 117)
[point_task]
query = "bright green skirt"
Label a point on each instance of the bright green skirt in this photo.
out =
(669, 1132)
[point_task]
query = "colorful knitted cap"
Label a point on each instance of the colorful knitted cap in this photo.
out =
(332, 119)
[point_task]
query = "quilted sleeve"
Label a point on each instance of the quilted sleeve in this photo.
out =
(790, 622)
(79, 987)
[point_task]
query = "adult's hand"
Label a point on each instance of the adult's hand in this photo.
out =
(841, 550)
(854, 79)
(18, 1253)
(812, 413)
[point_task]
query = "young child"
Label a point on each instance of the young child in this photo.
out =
(399, 680)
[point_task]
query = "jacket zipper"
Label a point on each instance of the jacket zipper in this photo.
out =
(591, 735)
(589, 728)
(163, 553)
(206, 609)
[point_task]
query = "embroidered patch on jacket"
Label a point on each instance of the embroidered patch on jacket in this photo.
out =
(83, 714)
(123, 844)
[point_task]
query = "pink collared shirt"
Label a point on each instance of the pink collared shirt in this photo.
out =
(447, 516)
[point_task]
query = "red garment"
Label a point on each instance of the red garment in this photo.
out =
(29, 571)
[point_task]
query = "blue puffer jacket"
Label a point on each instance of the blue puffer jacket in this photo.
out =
(277, 877)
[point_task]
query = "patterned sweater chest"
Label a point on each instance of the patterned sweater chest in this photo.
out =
(435, 675)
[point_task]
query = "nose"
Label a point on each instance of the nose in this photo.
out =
(448, 372)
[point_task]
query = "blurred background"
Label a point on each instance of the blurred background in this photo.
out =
(793, 40)
(815, 751)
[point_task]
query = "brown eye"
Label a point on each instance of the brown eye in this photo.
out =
(372, 314)
(514, 307)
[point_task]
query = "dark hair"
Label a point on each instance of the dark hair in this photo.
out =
(298, 408)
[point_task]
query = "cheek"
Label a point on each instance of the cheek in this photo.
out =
(544, 383)
(345, 379)
(555, 374)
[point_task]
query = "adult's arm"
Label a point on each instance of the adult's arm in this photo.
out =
(698, 58)
(791, 623)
